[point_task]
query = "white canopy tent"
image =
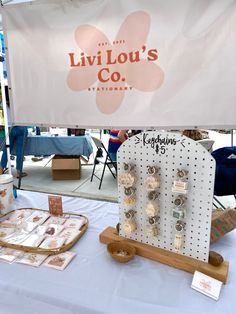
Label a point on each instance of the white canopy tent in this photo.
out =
(3, 83)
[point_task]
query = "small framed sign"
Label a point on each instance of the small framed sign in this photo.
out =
(55, 205)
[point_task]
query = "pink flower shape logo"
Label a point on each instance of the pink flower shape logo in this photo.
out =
(120, 66)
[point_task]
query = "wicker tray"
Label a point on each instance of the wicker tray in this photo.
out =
(38, 250)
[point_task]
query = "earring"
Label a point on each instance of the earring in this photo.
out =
(180, 185)
(127, 167)
(152, 230)
(152, 195)
(152, 209)
(152, 181)
(127, 178)
(129, 225)
(130, 214)
(152, 170)
(178, 240)
(153, 220)
(179, 212)
(129, 199)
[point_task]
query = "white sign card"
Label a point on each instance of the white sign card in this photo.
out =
(207, 285)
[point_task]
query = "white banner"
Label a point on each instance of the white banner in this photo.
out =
(119, 63)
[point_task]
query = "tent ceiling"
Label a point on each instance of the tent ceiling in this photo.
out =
(7, 2)
(14, 1)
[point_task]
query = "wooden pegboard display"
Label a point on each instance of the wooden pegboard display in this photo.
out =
(166, 152)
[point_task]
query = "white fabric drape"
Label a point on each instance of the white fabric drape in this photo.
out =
(94, 283)
(122, 63)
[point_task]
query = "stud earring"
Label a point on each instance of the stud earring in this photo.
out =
(130, 214)
(153, 195)
(153, 220)
(152, 181)
(152, 170)
(127, 167)
(180, 200)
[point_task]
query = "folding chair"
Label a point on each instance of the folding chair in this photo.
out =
(105, 160)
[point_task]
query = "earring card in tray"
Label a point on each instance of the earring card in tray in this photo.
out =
(37, 231)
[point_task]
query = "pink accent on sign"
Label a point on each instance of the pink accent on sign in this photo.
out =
(119, 66)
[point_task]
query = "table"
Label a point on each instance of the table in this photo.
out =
(94, 283)
(59, 145)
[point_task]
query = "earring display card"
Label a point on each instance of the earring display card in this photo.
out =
(22, 233)
(5, 232)
(173, 155)
(69, 234)
(75, 223)
(50, 230)
(59, 261)
(32, 259)
(7, 224)
(20, 216)
(33, 240)
(9, 255)
(38, 217)
(55, 220)
(52, 242)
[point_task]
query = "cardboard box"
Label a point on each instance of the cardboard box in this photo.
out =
(66, 168)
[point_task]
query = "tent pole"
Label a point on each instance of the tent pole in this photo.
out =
(4, 104)
(5, 2)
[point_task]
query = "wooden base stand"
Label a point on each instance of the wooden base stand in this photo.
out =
(169, 258)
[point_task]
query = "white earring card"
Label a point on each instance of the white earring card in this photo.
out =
(166, 200)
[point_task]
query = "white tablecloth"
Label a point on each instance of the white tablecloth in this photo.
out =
(94, 283)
